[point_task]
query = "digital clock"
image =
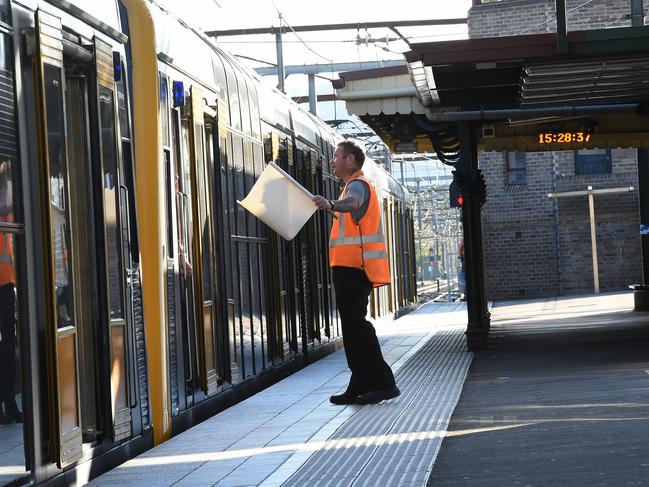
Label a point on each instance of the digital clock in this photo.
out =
(563, 137)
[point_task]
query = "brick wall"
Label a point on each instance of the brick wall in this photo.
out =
(540, 246)
(537, 246)
(515, 17)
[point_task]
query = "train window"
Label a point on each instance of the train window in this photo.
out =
(254, 111)
(59, 212)
(244, 103)
(233, 92)
(164, 110)
(8, 139)
(204, 214)
(5, 11)
(219, 76)
(111, 189)
(130, 229)
(184, 188)
(124, 126)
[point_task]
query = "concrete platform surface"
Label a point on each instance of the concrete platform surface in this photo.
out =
(559, 398)
(289, 434)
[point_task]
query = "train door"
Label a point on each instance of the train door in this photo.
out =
(183, 252)
(292, 261)
(63, 328)
(305, 247)
(282, 336)
(81, 223)
(200, 366)
(202, 149)
(214, 120)
(83, 231)
(115, 235)
(321, 239)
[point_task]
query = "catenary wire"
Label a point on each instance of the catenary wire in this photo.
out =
(281, 18)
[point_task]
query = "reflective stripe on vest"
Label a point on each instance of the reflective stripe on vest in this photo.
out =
(343, 240)
(6, 255)
(375, 254)
(7, 274)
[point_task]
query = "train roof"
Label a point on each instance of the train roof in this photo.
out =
(275, 107)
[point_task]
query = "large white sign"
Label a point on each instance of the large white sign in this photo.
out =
(280, 202)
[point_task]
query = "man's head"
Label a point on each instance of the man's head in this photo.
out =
(348, 158)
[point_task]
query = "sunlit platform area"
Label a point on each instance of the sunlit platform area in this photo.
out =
(289, 434)
(560, 397)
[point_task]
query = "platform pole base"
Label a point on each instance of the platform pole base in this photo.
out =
(641, 298)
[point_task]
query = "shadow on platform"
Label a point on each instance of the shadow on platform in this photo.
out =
(559, 397)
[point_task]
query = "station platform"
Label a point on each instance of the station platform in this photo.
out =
(559, 397)
(289, 434)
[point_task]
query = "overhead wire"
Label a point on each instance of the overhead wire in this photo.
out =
(282, 18)
(550, 20)
(338, 41)
(613, 21)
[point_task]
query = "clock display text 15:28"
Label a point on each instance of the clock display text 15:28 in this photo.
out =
(563, 137)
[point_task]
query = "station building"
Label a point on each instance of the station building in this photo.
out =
(540, 246)
(533, 245)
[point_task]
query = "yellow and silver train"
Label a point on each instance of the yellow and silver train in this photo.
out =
(136, 297)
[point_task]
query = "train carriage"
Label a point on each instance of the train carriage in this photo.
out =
(148, 299)
(71, 221)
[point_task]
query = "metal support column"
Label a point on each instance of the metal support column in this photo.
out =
(280, 60)
(420, 259)
(312, 95)
(643, 190)
(641, 292)
(562, 27)
(473, 192)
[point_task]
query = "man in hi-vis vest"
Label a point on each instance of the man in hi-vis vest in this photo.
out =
(9, 411)
(359, 262)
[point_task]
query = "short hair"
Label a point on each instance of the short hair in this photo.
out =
(350, 147)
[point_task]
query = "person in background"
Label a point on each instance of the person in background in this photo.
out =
(8, 342)
(359, 262)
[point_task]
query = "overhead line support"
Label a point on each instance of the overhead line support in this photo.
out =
(324, 27)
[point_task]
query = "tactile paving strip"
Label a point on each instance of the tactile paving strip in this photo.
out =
(396, 442)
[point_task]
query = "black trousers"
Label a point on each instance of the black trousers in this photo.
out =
(369, 370)
(8, 342)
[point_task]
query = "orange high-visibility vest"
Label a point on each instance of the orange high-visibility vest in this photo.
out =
(7, 273)
(361, 245)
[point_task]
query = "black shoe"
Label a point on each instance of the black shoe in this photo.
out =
(11, 410)
(375, 397)
(343, 399)
(5, 419)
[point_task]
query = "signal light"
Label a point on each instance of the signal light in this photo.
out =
(455, 196)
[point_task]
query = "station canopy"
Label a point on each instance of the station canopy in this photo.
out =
(521, 92)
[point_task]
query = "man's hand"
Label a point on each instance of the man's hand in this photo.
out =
(322, 202)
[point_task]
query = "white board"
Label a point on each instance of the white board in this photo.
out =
(280, 202)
